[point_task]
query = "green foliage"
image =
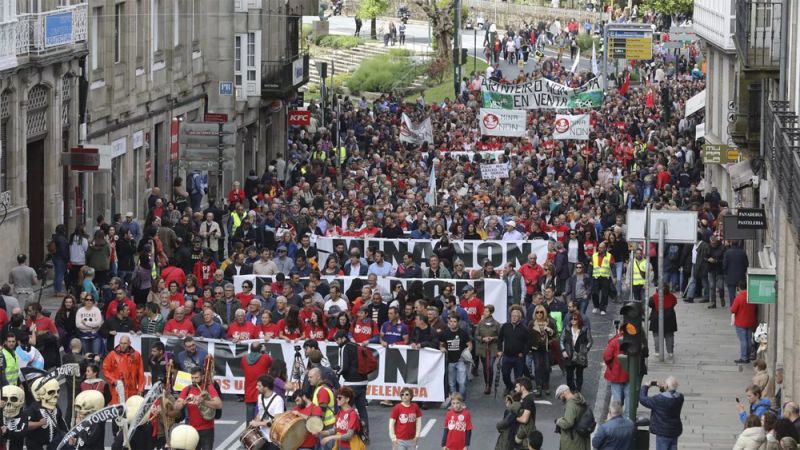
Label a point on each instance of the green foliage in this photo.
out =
(383, 73)
(670, 6)
(399, 52)
(339, 42)
(585, 42)
(444, 88)
(372, 9)
(307, 30)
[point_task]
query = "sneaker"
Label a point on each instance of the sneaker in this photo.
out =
(656, 355)
(671, 356)
(602, 313)
(688, 300)
(594, 310)
(537, 392)
(741, 361)
(487, 391)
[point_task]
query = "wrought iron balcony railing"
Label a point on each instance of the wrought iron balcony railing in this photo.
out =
(782, 154)
(758, 33)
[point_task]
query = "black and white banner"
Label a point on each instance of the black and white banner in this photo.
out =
(491, 291)
(398, 366)
(491, 155)
(106, 414)
(502, 122)
(416, 133)
(472, 253)
(494, 171)
(572, 127)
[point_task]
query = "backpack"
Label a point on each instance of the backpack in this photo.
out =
(367, 363)
(51, 247)
(586, 424)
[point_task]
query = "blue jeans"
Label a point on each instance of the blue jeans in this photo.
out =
(666, 443)
(250, 411)
(745, 336)
(619, 392)
(92, 343)
(584, 305)
(59, 270)
(512, 362)
(457, 378)
(715, 286)
(618, 267)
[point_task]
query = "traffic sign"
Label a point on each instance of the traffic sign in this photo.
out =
(630, 44)
(82, 159)
(226, 88)
(719, 154)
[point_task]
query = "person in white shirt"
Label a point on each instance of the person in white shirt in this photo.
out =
(265, 265)
(380, 267)
(268, 406)
(335, 299)
(88, 320)
(511, 233)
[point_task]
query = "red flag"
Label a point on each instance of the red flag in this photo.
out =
(624, 89)
(649, 99)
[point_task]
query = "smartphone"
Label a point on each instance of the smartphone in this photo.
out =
(616, 324)
(737, 400)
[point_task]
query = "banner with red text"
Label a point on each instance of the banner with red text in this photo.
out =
(398, 366)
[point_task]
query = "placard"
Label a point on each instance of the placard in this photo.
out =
(572, 127)
(502, 122)
(494, 171)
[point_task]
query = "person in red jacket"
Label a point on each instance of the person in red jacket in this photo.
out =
(745, 318)
(242, 330)
(204, 269)
(615, 374)
(254, 364)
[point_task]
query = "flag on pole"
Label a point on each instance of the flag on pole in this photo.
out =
(624, 88)
(430, 198)
(595, 70)
(575, 63)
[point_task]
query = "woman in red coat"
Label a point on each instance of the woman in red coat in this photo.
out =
(745, 318)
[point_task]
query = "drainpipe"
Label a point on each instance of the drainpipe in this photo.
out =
(784, 52)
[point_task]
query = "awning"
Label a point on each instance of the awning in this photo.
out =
(696, 103)
(700, 131)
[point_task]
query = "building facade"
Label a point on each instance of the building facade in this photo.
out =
(42, 47)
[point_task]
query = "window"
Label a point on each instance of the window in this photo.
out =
(139, 33)
(293, 37)
(155, 16)
(97, 13)
(247, 63)
(176, 23)
(237, 61)
(119, 10)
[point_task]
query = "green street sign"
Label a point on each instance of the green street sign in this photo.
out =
(761, 286)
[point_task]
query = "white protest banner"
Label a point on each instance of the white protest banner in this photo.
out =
(491, 291)
(398, 366)
(572, 127)
(502, 122)
(472, 253)
(494, 171)
(541, 94)
(491, 155)
(416, 134)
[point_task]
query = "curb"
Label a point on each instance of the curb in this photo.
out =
(603, 399)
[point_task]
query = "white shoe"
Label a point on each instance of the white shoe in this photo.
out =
(671, 356)
(594, 310)
(602, 313)
(656, 355)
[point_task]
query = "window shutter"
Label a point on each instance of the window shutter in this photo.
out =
(253, 71)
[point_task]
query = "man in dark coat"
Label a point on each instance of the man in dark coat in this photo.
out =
(665, 412)
(734, 268)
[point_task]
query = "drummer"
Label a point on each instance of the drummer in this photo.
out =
(269, 405)
(347, 422)
(304, 408)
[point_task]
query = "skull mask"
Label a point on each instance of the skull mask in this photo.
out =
(88, 402)
(132, 405)
(46, 392)
(15, 399)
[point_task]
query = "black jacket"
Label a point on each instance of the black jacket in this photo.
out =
(513, 339)
(582, 345)
(348, 366)
(734, 265)
(382, 313)
(230, 271)
(425, 338)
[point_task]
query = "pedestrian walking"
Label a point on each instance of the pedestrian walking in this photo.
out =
(734, 268)
(573, 437)
(402, 31)
(716, 253)
(615, 374)
(601, 272)
(512, 343)
(359, 24)
(486, 334)
(576, 341)
(670, 321)
(457, 425)
(23, 278)
(542, 331)
(405, 422)
(665, 412)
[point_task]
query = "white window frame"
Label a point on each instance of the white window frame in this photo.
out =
(176, 23)
(238, 75)
(155, 7)
(95, 37)
(119, 12)
(247, 64)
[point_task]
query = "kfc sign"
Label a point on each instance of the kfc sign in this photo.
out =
(299, 118)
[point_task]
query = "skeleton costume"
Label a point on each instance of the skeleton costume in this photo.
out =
(142, 438)
(45, 391)
(14, 418)
(86, 404)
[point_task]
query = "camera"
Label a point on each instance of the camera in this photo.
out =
(297, 348)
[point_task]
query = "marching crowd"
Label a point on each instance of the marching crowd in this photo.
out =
(172, 274)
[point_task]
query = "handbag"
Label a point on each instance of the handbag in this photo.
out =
(356, 443)
(580, 359)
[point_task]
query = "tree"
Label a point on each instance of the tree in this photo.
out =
(440, 13)
(671, 6)
(371, 9)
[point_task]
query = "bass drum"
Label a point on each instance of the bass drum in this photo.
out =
(252, 439)
(314, 424)
(288, 431)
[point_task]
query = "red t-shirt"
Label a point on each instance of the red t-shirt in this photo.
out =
(405, 420)
(193, 412)
(245, 298)
(305, 314)
(114, 304)
(251, 374)
(175, 327)
(346, 421)
(314, 332)
(290, 334)
(457, 423)
(270, 331)
(474, 309)
(242, 331)
(42, 323)
(363, 331)
(310, 410)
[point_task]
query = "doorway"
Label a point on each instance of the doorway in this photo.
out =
(35, 201)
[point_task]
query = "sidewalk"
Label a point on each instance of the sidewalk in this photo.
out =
(705, 348)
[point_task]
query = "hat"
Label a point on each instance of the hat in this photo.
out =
(467, 288)
(129, 214)
(560, 390)
(511, 224)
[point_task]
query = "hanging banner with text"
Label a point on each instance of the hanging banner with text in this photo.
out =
(472, 253)
(494, 171)
(416, 133)
(502, 122)
(490, 155)
(572, 127)
(491, 291)
(541, 94)
(398, 366)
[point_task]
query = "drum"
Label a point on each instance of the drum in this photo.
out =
(252, 439)
(314, 424)
(288, 431)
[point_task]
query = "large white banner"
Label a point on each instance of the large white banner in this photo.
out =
(502, 122)
(494, 171)
(491, 291)
(485, 155)
(472, 253)
(572, 127)
(416, 134)
(398, 366)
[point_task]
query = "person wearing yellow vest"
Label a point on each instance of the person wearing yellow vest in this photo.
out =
(324, 398)
(640, 268)
(9, 371)
(601, 272)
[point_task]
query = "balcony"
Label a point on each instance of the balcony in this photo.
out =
(782, 155)
(8, 45)
(758, 33)
(50, 32)
(715, 21)
(280, 78)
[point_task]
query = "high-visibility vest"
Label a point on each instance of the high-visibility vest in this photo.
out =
(12, 366)
(320, 155)
(237, 221)
(342, 155)
(328, 419)
(601, 269)
(639, 272)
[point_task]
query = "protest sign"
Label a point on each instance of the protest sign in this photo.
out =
(494, 171)
(572, 127)
(541, 94)
(502, 122)
(398, 366)
(416, 133)
(490, 155)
